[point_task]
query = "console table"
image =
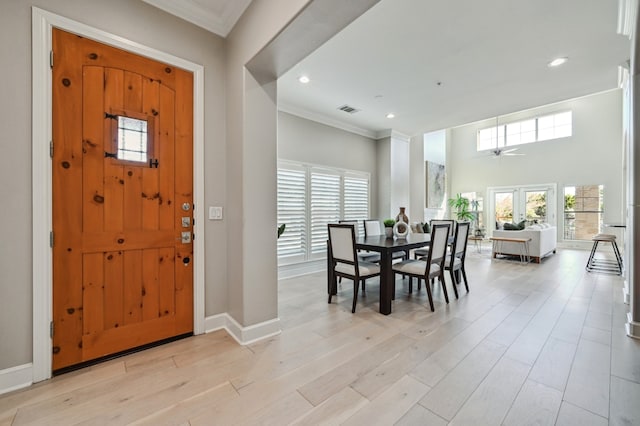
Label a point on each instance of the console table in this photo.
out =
(524, 250)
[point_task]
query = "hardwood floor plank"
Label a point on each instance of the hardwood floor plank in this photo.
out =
(377, 380)
(625, 406)
(434, 368)
(446, 398)
(391, 405)
(597, 335)
(334, 410)
(346, 373)
(507, 332)
(490, 402)
(536, 404)
(553, 366)
(588, 384)
(180, 411)
(418, 415)
(570, 415)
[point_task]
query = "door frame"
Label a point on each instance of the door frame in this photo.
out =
(42, 254)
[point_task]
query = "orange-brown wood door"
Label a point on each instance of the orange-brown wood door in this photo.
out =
(122, 200)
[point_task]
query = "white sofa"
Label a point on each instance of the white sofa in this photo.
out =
(543, 241)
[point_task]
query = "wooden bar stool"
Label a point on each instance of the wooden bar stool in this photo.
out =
(594, 264)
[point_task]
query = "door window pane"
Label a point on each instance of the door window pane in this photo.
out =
(132, 139)
(503, 207)
(536, 206)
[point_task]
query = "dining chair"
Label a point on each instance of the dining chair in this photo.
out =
(362, 255)
(433, 265)
(344, 259)
(422, 252)
(454, 262)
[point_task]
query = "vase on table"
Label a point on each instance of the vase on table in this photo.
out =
(401, 228)
(402, 216)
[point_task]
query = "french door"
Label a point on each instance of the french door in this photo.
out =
(532, 203)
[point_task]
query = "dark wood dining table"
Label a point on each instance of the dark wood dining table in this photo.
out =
(386, 247)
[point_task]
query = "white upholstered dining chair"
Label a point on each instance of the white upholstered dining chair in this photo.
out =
(344, 260)
(432, 266)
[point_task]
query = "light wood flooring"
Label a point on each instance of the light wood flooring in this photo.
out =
(530, 344)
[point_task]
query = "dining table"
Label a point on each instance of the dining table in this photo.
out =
(386, 246)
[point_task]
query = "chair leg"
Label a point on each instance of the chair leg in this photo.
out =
(334, 286)
(363, 288)
(453, 281)
(428, 287)
(411, 284)
(355, 296)
(464, 277)
(444, 287)
(593, 251)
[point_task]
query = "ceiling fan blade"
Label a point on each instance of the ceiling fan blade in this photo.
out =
(509, 150)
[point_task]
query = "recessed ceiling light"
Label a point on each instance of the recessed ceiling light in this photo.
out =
(304, 79)
(391, 115)
(557, 62)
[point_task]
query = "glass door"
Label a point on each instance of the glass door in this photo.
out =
(503, 207)
(531, 203)
(535, 206)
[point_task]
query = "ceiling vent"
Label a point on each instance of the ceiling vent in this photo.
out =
(348, 109)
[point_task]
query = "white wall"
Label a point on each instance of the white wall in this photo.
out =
(310, 142)
(593, 155)
(400, 182)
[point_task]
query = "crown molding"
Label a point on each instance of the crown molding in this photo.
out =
(323, 119)
(219, 23)
(390, 133)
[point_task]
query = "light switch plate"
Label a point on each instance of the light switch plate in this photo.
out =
(215, 213)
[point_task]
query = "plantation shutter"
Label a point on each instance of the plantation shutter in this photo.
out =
(325, 208)
(292, 208)
(356, 200)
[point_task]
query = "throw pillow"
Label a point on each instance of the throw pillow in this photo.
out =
(522, 225)
(510, 227)
(426, 228)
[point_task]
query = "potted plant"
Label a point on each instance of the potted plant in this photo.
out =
(461, 206)
(281, 229)
(388, 227)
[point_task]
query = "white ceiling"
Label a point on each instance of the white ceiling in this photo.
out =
(216, 16)
(438, 64)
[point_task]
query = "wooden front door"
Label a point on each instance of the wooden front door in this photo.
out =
(122, 200)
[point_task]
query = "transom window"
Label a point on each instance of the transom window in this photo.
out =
(553, 126)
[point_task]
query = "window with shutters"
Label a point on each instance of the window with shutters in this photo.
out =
(309, 198)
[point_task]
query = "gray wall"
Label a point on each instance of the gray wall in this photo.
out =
(120, 17)
(310, 142)
(593, 155)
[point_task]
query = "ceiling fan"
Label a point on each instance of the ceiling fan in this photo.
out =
(500, 151)
(497, 152)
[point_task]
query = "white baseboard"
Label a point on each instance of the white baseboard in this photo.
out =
(243, 335)
(632, 327)
(15, 378)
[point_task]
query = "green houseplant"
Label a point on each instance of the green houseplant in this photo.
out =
(388, 226)
(461, 206)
